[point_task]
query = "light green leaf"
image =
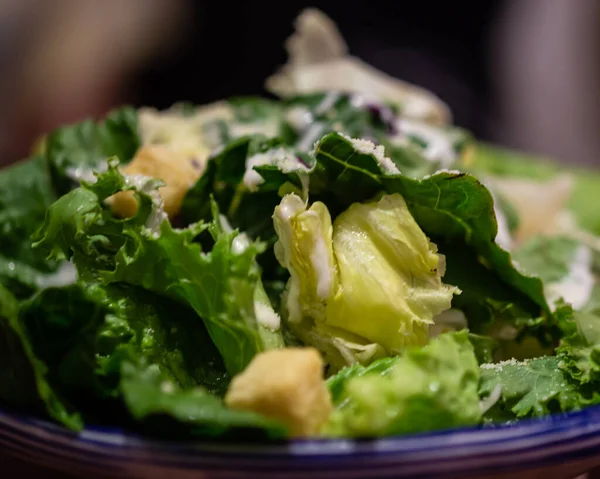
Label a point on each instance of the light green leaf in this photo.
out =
(86, 144)
(548, 257)
(147, 251)
(371, 282)
(427, 388)
(25, 193)
(533, 387)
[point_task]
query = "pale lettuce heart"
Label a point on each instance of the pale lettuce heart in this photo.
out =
(366, 285)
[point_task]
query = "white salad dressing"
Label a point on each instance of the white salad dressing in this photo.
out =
(361, 100)
(439, 145)
(319, 257)
(443, 171)
(290, 206)
(268, 128)
(240, 243)
(312, 134)
(327, 102)
(577, 286)
(280, 157)
(66, 274)
(500, 365)
(302, 121)
(146, 184)
(266, 316)
(299, 118)
(487, 403)
(417, 106)
(503, 238)
(86, 173)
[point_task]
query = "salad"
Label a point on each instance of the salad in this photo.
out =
(339, 262)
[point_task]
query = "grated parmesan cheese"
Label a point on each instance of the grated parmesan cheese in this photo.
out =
(367, 147)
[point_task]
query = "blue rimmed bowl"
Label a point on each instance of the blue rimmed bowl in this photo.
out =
(554, 447)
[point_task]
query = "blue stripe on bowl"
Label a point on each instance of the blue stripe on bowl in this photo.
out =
(532, 443)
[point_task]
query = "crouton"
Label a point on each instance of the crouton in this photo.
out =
(286, 385)
(179, 170)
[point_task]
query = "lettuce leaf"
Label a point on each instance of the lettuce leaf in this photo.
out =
(583, 200)
(118, 352)
(24, 382)
(164, 407)
(484, 347)
(579, 349)
(19, 278)
(502, 162)
(416, 147)
(366, 286)
(25, 193)
(84, 331)
(337, 383)
(428, 388)
(224, 181)
(248, 211)
(146, 251)
(452, 208)
(86, 144)
(565, 265)
(28, 188)
(533, 387)
(499, 161)
(250, 109)
(549, 384)
(547, 257)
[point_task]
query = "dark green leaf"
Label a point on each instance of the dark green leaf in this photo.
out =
(246, 211)
(23, 376)
(25, 194)
(85, 145)
(83, 333)
(579, 349)
(449, 206)
(149, 395)
(220, 285)
(484, 347)
(249, 109)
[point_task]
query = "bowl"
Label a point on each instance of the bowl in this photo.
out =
(559, 446)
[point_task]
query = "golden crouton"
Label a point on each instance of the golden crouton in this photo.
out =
(179, 170)
(286, 385)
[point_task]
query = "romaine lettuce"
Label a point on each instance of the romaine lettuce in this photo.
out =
(370, 282)
(24, 382)
(425, 389)
(147, 251)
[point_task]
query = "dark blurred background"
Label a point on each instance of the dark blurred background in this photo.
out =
(524, 73)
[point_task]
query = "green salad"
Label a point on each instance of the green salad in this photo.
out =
(342, 261)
